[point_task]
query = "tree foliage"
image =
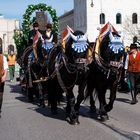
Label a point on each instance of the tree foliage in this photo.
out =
(22, 39)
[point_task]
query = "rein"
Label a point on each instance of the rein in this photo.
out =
(65, 64)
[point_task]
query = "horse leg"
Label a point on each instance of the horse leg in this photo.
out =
(102, 100)
(80, 97)
(52, 97)
(90, 89)
(112, 98)
(92, 102)
(30, 94)
(40, 95)
(53, 103)
(89, 92)
(72, 116)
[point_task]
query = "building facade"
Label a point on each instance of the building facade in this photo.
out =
(124, 15)
(7, 28)
(66, 19)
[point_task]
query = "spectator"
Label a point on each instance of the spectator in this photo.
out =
(3, 74)
(11, 64)
(132, 66)
(124, 85)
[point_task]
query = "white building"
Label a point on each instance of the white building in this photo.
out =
(7, 28)
(124, 15)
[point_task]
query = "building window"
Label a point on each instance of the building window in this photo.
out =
(118, 18)
(102, 18)
(134, 18)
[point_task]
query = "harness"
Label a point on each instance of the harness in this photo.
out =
(61, 60)
(113, 67)
(61, 82)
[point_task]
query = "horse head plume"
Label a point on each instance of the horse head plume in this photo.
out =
(80, 40)
(116, 43)
(65, 36)
(109, 47)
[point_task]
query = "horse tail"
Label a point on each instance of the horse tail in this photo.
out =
(89, 94)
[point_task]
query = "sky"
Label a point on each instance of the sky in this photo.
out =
(14, 9)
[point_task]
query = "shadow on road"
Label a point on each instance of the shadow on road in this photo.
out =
(14, 87)
(47, 112)
(84, 112)
(124, 100)
(22, 99)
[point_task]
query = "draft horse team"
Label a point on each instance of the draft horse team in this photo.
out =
(50, 71)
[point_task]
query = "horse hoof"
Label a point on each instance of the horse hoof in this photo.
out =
(108, 108)
(104, 118)
(77, 122)
(41, 104)
(134, 101)
(72, 121)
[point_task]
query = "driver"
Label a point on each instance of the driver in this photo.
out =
(33, 32)
(50, 35)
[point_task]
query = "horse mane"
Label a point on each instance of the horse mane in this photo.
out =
(55, 52)
(104, 49)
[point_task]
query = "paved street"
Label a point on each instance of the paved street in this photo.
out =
(25, 121)
(70, 39)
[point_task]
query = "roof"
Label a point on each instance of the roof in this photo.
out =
(67, 13)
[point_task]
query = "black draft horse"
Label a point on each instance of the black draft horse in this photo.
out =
(105, 71)
(68, 68)
(34, 65)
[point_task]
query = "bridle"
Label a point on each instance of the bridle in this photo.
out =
(113, 67)
(71, 68)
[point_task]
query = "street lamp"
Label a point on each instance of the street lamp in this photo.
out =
(91, 4)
